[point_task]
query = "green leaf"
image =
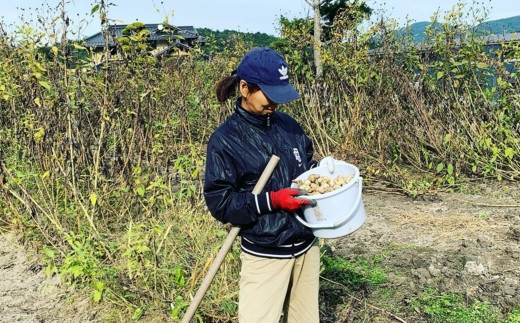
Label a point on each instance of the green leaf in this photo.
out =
(440, 74)
(179, 276)
(456, 63)
(141, 248)
(141, 190)
(39, 67)
(50, 269)
(78, 46)
(440, 167)
(97, 296)
(99, 286)
(94, 9)
(450, 169)
(482, 65)
(447, 138)
(76, 271)
(48, 252)
(38, 135)
(221, 233)
(45, 85)
(93, 198)
(509, 153)
(137, 313)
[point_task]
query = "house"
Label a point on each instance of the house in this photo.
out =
(164, 40)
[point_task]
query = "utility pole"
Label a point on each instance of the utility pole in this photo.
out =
(317, 37)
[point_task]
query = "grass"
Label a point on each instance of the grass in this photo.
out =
(356, 273)
(453, 307)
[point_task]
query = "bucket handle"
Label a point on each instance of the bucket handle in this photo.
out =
(327, 226)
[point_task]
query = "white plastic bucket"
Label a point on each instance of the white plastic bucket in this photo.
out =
(339, 212)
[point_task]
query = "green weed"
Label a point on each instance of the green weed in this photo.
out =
(453, 307)
(357, 273)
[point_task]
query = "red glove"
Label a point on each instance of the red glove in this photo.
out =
(285, 199)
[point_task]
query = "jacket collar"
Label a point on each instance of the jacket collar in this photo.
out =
(262, 121)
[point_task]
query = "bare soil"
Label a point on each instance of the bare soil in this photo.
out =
(28, 295)
(451, 242)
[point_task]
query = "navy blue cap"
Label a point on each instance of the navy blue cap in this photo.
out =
(268, 69)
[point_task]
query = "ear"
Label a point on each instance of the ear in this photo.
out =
(244, 90)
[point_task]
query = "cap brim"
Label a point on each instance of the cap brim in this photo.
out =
(280, 93)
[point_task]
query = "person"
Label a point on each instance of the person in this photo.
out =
(279, 255)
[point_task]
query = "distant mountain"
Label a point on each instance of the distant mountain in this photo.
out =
(506, 25)
(222, 38)
(500, 26)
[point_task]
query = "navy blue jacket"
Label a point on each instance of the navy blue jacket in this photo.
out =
(237, 153)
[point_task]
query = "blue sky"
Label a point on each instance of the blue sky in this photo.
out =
(246, 16)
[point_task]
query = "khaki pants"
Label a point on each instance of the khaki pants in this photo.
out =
(270, 286)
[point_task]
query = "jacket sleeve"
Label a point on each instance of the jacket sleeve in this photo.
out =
(226, 202)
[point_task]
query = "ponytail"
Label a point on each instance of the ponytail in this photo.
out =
(226, 87)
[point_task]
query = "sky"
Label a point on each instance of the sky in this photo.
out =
(246, 16)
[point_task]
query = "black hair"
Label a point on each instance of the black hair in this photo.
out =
(227, 86)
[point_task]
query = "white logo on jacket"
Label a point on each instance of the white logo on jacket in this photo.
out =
(297, 156)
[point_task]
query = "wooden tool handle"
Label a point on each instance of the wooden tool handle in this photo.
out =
(226, 246)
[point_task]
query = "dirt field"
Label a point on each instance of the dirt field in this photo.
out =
(451, 242)
(27, 295)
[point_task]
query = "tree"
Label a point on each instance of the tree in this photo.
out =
(330, 9)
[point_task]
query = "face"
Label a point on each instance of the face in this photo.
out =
(256, 102)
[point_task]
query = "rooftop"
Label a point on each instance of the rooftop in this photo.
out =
(157, 32)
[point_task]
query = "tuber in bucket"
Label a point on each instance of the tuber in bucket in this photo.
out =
(339, 212)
